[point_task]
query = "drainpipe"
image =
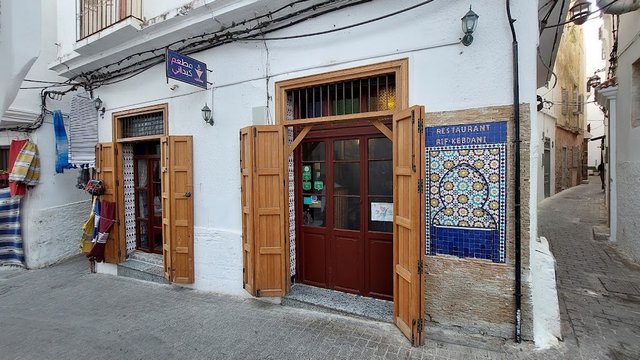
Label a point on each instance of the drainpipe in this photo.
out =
(518, 230)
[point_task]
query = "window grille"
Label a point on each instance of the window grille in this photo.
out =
(369, 94)
(143, 125)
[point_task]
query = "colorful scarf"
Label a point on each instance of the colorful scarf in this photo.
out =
(62, 143)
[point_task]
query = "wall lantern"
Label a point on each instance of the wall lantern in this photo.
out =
(98, 104)
(206, 115)
(469, 22)
(579, 12)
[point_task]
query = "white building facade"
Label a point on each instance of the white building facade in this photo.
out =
(279, 68)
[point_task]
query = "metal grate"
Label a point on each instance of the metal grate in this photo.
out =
(143, 125)
(376, 93)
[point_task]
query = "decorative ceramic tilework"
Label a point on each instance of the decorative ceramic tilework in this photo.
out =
(292, 195)
(466, 190)
(129, 197)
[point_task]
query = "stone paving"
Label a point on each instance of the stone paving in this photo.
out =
(65, 312)
(598, 290)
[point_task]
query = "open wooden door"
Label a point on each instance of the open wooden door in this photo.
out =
(106, 168)
(246, 190)
(177, 208)
(263, 210)
(408, 223)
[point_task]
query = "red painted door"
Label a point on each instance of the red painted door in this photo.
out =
(340, 177)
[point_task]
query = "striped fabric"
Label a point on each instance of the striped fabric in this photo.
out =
(26, 168)
(11, 251)
(83, 131)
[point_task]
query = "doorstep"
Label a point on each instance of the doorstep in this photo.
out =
(337, 302)
(143, 266)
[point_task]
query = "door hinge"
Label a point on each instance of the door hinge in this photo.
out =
(420, 186)
(257, 292)
(413, 333)
(255, 132)
(420, 325)
(420, 126)
(420, 267)
(413, 116)
(117, 182)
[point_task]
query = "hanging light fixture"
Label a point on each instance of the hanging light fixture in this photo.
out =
(580, 12)
(593, 82)
(206, 115)
(97, 103)
(469, 23)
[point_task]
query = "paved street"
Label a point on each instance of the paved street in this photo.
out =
(64, 312)
(599, 292)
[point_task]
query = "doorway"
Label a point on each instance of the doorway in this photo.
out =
(148, 195)
(344, 199)
(546, 163)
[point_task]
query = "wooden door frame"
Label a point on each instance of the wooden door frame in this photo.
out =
(118, 141)
(399, 67)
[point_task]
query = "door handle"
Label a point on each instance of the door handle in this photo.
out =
(187, 194)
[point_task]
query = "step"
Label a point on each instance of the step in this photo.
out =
(142, 270)
(337, 302)
(147, 257)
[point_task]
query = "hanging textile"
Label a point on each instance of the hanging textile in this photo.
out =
(17, 188)
(11, 250)
(26, 167)
(87, 229)
(106, 221)
(83, 131)
(62, 143)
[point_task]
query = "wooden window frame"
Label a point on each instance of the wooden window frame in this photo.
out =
(119, 116)
(399, 67)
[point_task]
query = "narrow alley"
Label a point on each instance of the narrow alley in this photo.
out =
(599, 292)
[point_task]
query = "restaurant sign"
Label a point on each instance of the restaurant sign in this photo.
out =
(186, 69)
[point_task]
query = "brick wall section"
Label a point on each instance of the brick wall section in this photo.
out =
(573, 141)
(478, 295)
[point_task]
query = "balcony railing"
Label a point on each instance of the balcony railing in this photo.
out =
(95, 15)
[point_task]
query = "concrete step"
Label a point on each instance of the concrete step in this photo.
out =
(337, 302)
(142, 270)
(146, 257)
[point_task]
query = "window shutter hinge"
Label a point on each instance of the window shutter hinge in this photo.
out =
(420, 186)
(420, 267)
(420, 126)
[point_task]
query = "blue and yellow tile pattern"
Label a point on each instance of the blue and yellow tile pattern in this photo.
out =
(466, 190)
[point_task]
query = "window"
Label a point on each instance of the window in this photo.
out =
(95, 15)
(565, 102)
(370, 91)
(140, 124)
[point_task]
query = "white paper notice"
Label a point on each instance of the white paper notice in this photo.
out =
(381, 211)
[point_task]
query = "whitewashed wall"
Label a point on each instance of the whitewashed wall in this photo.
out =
(628, 138)
(52, 212)
(441, 78)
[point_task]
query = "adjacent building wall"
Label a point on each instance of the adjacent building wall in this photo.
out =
(52, 212)
(568, 104)
(628, 136)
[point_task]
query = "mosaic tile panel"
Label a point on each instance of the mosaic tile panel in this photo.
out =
(466, 190)
(129, 198)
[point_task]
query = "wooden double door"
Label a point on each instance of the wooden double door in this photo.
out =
(344, 212)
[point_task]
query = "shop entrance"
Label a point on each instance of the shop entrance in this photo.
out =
(147, 195)
(344, 204)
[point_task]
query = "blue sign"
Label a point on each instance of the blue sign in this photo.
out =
(186, 69)
(467, 134)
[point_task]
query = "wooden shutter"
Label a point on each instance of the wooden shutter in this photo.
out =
(106, 168)
(246, 189)
(263, 210)
(408, 222)
(177, 208)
